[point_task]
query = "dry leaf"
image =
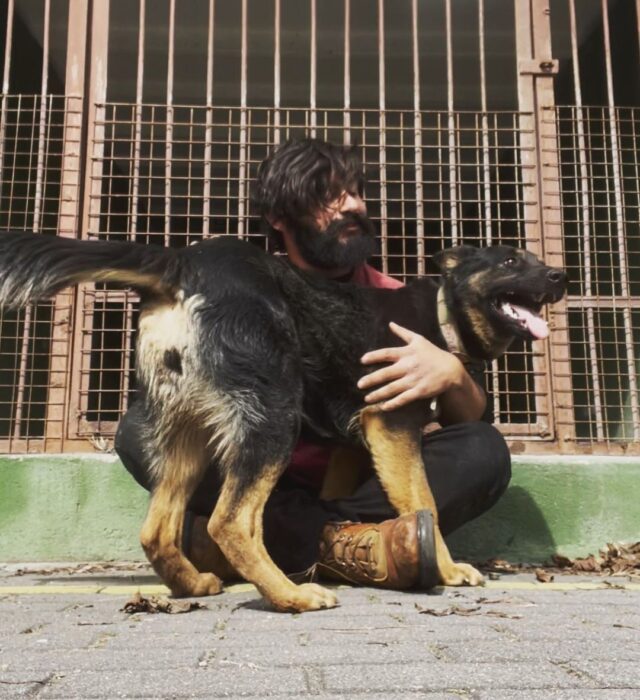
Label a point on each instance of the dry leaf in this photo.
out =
(160, 604)
(465, 612)
(453, 610)
(543, 576)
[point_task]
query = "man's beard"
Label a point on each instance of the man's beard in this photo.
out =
(324, 249)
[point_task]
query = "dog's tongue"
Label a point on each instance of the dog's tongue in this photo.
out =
(535, 324)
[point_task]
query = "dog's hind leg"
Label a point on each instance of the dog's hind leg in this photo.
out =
(396, 451)
(181, 469)
(236, 526)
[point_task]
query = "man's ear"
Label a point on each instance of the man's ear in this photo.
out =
(447, 260)
(274, 222)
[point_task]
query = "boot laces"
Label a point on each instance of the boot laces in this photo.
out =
(356, 552)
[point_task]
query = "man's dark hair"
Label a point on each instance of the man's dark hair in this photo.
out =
(301, 177)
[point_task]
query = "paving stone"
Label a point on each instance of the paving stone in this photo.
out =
(623, 674)
(564, 694)
(379, 645)
(54, 661)
(229, 681)
(444, 676)
(18, 684)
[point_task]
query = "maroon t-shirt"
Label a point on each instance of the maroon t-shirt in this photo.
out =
(308, 461)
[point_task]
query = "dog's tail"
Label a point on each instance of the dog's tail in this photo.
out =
(35, 266)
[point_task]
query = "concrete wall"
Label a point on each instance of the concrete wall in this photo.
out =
(78, 507)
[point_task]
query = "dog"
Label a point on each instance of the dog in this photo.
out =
(237, 349)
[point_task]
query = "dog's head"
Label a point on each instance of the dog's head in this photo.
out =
(496, 294)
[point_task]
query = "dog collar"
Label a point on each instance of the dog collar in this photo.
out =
(449, 330)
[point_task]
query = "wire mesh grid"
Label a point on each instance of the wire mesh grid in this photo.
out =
(460, 181)
(34, 342)
(600, 216)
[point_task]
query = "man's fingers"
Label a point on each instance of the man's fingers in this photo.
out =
(402, 332)
(381, 355)
(402, 399)
(388, 391)
(381, 376)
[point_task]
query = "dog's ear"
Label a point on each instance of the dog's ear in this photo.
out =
(447, 260)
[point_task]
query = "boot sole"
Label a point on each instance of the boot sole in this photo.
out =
(428, 568)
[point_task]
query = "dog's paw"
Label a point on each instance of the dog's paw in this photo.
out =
(207, 584)
(307, 596)
(200, 585)
(461, 575)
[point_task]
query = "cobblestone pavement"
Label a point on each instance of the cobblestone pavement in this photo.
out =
(64, 635)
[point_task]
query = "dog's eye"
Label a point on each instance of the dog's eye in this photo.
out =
(510, 262)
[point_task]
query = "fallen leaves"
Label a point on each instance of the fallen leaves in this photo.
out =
(615, 560)
(79, 569)
(465, 612)
(160, 604)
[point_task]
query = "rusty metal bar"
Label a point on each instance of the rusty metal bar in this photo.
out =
(532, 96)
(383, 139)
(90, 212)
(586, 225)
(7, 47)
(242, 166)
(5, 80)
(133, 216)
(37, 213)
(168, 151)
(486, 158)
(638, 22)
(57, 409)
(453, 188)
(347, 72)
(486, 176)
(620, 232)
(313, 69)
(417, 136)
(134, 202)
(277, 73)
(559, 412)
(208, 129)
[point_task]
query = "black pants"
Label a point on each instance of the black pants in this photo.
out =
(468, 466)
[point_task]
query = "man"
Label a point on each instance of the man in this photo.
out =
(308, 193)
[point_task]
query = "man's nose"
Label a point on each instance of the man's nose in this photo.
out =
(353, 203)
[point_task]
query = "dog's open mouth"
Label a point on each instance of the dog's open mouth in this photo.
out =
(525, 312)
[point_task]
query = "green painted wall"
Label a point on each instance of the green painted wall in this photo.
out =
(68, 507)
(569, 505)
(71, 507)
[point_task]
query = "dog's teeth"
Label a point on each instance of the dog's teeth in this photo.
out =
(508, 309)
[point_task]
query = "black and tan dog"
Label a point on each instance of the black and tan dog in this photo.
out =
(237, 349)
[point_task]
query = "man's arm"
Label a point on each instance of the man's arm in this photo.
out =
(421, 370)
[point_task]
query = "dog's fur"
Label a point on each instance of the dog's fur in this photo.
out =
(237, 350)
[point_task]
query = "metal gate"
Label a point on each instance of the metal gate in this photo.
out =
(469, 133)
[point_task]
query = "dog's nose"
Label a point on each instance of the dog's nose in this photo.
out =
(557, 276)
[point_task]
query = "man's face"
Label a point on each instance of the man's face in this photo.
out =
(339, 236)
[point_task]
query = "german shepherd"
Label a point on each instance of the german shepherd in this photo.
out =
(237, 349)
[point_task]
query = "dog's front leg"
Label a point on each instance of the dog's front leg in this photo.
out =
(396, 451)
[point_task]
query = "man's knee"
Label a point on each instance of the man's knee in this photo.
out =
(128, 446)
(486, 447)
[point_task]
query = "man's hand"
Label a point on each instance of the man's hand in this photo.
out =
(421, 370)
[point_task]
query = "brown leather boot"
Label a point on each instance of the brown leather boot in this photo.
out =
(396, 554)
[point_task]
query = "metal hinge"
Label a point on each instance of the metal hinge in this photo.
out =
(536, 66)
